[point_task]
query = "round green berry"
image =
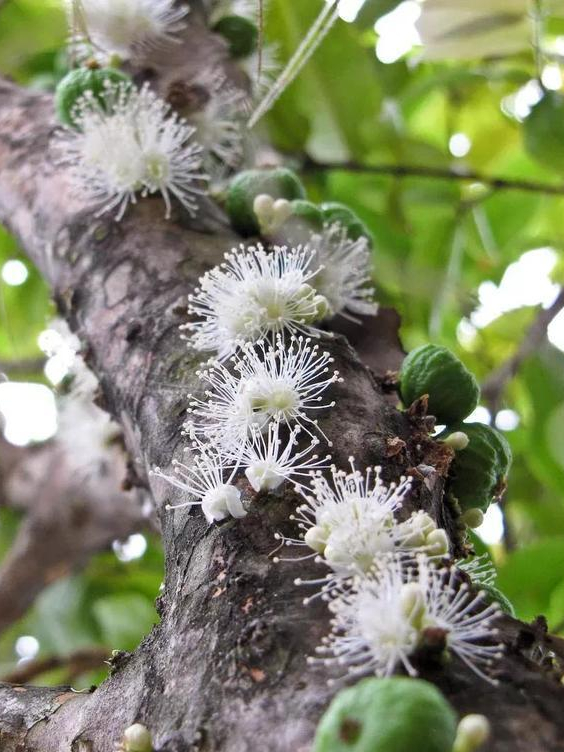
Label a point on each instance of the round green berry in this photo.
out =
(308, 213)
(334, 212)
(247, 185)
(387, 715)
(305, 218)
(452, 390)
(478, 473)
(79, 81)
(240, 33)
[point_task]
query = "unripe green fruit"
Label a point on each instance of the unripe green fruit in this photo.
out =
(241, 34)
(247, 185)
(336, 212)
(305, 218)
(79, 81)
(387, 715)
(307, 213)
(453, 391)
(478, 473)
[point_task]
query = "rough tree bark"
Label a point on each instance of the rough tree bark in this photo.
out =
(225, 669)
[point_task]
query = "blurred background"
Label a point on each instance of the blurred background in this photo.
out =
(405, 113)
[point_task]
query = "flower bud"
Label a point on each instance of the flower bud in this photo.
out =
(457, 440)
(412, 601)
(282, 210)
(473, 731)
(316, 538)
(137, 738)
(437, 543)
(473, 517)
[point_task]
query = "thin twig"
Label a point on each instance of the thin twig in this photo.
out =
(22, 366)
(493, 387)
(426, 172)
(87, 659)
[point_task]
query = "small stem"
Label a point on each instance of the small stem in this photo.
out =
(425, 172)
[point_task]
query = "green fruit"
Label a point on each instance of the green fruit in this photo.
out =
(493, 595)
(247, 185)
(241, 34)
(355, 227)
(453, 391)
(478, 473)
(543, 131)
(308, 213)
(387, 715)
(80, 80)
(305, 219)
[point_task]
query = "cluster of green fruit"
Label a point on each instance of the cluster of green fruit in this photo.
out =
(257, 198)
(396, 715)
(479, 470)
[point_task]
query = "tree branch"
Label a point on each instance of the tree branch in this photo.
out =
(24, 366)
(428, 172)
(494, 385)
(77, 663)
(72, 513)
(227, 663)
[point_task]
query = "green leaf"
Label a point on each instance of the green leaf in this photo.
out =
(337, 92)
(122, 618)
(543, 131)
(529, 576)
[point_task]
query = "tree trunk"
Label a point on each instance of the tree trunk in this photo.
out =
(225, 669)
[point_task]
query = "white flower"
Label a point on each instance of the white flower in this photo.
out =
(137, 146)
(465, 617)
(220, 125)
(460, 30)
(350, 521)
(382, 619)
(345, 271)
(373, 626)
(209, 480)
(254, 294)
(269, 461)
(125, 26)
(284, 382)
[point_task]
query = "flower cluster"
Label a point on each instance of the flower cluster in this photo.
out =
(266, 382)
(382, 619)
(386, 589)
(250, 416)
(344, 271)
(124, 27)
(133, 145)
(351, 523)
(255, 294)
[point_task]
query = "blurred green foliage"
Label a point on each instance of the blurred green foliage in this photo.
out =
(436, 242)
